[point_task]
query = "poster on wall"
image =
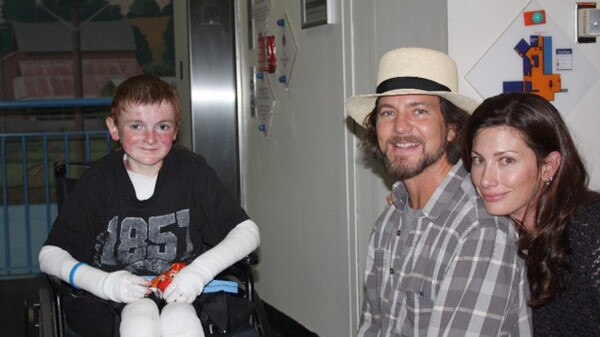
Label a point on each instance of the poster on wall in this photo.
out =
(260, 11)
(265, 102)
(535, 55)
(286, 51)
(276, 51)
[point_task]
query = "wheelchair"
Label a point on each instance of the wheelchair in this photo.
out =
(46, 316)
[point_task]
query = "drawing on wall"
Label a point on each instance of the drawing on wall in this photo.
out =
(537, 69)
(533, 54)
(117, 39)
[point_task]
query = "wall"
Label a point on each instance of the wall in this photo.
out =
(313, 194)
(296, 183)
(469, 40)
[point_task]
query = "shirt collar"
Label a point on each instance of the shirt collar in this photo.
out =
(440, 199)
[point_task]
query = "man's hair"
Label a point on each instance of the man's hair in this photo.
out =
(454, 117)
(546, 248)
(144, 89)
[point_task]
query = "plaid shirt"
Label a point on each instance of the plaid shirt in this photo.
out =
(455, 272)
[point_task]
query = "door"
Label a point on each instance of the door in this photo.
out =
(213, 88)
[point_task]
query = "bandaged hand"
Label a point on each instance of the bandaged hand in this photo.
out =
(119, 286)
(187, 284)
(191, 280)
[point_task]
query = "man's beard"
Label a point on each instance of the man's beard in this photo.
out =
(400, 169)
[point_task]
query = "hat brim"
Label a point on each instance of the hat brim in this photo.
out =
(358, 107)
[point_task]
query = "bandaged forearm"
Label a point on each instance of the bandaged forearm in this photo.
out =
(189, 283)
(120, 286)
(56, 261)
(241, 241)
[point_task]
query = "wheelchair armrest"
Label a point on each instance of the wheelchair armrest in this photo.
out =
(54, 281)
(241, 270)
(249, 260)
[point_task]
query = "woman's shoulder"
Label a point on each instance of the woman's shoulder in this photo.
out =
(585, 237)
(590, 207)
(585, 229)
(592, 197)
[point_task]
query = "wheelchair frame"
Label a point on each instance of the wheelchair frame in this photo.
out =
(47, 316)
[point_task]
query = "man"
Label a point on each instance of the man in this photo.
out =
(437, 263)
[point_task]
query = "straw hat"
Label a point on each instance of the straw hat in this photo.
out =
(412, 71)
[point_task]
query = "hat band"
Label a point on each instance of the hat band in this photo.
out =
(410, 83)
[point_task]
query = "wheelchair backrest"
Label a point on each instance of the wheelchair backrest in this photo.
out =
(65, 177)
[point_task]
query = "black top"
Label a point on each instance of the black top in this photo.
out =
(576, 311)
(103, 224)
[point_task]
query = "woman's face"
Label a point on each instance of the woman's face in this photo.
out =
(506, 173)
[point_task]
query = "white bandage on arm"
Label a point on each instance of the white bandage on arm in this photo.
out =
(119, 286)
(57, 262)
(189, 283)
(242, 240)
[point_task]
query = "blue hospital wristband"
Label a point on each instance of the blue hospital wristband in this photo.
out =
(72, 274)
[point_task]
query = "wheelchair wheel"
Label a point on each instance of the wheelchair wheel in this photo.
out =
(47, 317)
(259, 317)
(39, 315)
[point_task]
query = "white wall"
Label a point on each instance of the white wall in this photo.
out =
(473, 26)
(296, 182)
(313, 194)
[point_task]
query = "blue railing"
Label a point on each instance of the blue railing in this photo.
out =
(26, 174)
(55, 103)
(28, 197)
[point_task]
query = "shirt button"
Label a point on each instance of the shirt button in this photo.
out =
(398, 232)
(391, 270)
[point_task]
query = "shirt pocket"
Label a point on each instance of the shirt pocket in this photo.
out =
(417, 291)
(419, 280)
(424, 271)
(418, 304)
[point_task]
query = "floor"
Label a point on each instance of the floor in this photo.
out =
(18, 297)
(285, 326)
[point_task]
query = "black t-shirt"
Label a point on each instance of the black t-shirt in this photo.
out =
(103, 224)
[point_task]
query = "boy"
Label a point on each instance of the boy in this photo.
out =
(134, 213)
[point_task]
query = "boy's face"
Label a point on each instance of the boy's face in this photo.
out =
(146, 133)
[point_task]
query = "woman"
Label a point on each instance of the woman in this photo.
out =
(525, 165)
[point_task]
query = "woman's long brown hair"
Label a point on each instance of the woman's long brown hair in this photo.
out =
(546, 247)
